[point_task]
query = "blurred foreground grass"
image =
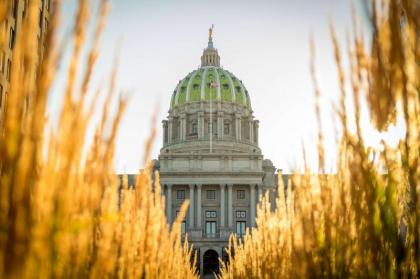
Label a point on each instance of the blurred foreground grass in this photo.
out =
(59, 216)
(363, 221)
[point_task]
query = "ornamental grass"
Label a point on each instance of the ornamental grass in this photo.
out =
(363, 220)
(59, 210)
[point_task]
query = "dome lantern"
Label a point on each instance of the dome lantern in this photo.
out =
(210, 55)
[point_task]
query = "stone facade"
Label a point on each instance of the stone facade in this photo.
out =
(10, 28)
(211, 157)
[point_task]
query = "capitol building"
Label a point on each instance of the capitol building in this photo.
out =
(211, 157)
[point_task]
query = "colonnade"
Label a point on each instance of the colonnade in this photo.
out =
(195, 207)
(169, 135)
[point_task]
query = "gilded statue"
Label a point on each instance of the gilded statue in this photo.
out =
(211, 32)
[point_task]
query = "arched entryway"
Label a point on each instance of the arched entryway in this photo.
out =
(210, 262)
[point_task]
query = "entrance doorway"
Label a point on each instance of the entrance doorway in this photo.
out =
(210, 262)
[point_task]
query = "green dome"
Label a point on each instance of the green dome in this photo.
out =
(195, 87)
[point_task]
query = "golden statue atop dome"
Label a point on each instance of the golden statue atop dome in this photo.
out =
(211, 32)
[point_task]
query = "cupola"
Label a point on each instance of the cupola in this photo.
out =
(210, 55)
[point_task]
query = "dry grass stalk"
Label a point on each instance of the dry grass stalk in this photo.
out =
(59, 213)
(360, 222)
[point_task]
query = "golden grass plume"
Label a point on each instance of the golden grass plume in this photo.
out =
(59, 211)
(362, 221)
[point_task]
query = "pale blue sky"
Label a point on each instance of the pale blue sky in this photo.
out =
(264, 43)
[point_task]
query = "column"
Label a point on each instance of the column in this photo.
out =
(169, 203)
(165, 131)
(200, 125)
(222, 205)
(191, 212)
(259, 194)
(170, 125)
(251, 131)
(257, 125)
(199, 206)
(183, 129)
(220, 124)
(230, 215)
(252, 203)
(238, 126)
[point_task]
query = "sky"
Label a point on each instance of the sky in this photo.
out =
(264, 43)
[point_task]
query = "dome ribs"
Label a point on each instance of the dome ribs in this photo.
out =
(195, 87)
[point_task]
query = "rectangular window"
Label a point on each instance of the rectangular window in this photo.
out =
(8, 69)
(211, 214)
(211, 194)
(183, 222)
(240, 228)
(180, 195)
(226, 130)
(194, 128)
(240, 214)
(211, 128)
(211, 229)
(183, 227)
(240, 194)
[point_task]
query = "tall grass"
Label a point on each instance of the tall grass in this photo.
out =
(363, 221)
(59, 214)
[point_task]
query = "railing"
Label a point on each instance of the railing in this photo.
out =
(240, 235)
(211, 235)
(207, 138)
(191, 137)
